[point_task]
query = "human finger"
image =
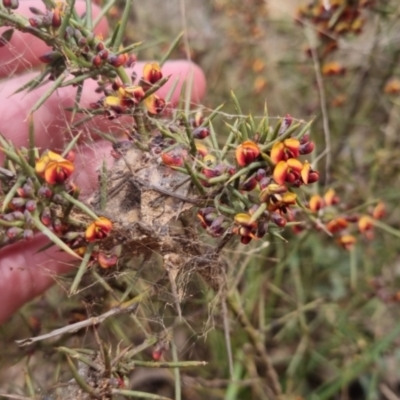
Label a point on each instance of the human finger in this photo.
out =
(25, 273)
(52, 120)
(22, 52)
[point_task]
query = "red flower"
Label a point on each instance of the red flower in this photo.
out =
(98, 230)
(246, 153)
(54, 168)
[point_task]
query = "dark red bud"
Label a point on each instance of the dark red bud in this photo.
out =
(305, 138)
(117, 61)
(156, 354)
(260, 174)
(45, 217)
(36, 22)
(45, 192)
(14, 232)
(36, 11)
(265, 182)
(201, 133)
(307, 148)
(57, 225)
(100, 46)
(31, 205)
(103, 54)
(249, 185)
(131, 61)
(18, 216)
(12, 4)
(56, 18)
(17, 203)
(231, 170)
(28, 234)
(49, 57)
(262, 230)
(277, 219)
(216, 229)
(96, 60)
(82, 42)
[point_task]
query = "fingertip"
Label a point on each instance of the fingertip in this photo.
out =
(23, 51)
(26, 272)
(187, 72)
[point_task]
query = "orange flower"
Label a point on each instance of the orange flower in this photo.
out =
(113, 102)
(330, 198)
(287, 171)
(152, 73)
(393, 86)
(337, 224)
(333, 68)
(106, 261)
(365, 226)
(98, 230)
(246, 230)
(133, 92)
(347, 241)
(282, 202)
(281, 151)
(172, 159)
(202, 150)
(154, 104)
(54, 168)
(316, 203)
(246, 153)
(379, 210)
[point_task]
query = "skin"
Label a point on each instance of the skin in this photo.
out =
(25, 273)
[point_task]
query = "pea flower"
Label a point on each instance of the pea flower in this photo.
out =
(98, 230)
(54, 168)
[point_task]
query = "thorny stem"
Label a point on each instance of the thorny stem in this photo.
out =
(255, 338)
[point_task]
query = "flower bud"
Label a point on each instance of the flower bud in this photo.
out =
(11, 4)
(17, 203)
(18, 216)
(278, 220)
(82, 42)
(45, 192)
(96, 61)
(216, 229)
(307, 148)
(36, 22)
(56, 18)
(49, 57)
(103, 54)
(14, 232)
(36, 11)
(31, 205)
(100, 46)
(28, 234)
(45, 216)
(249, 184)
(117, 61)
(201, 133)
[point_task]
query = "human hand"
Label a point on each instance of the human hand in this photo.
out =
(25, 273)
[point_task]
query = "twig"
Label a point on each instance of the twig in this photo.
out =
(255, 338)
(324, 109)
(79, 325)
